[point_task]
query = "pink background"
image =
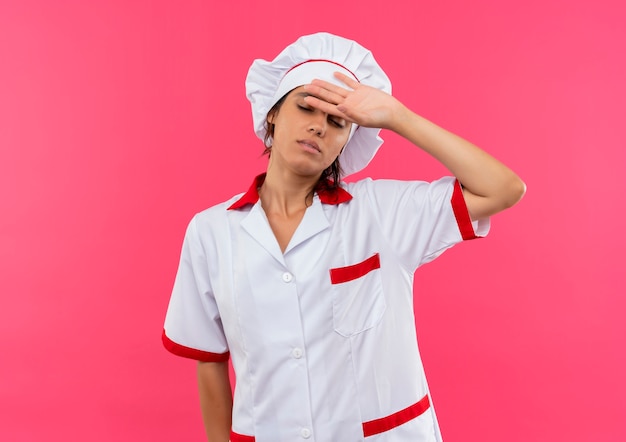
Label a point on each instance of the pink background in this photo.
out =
(121, 119)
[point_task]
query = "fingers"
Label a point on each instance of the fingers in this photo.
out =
(325, 85)
(331, 92)
(326, 91)
(325, 106)
(350, 82)
(329, 97)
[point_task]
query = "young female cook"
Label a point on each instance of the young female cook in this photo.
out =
(305, 281)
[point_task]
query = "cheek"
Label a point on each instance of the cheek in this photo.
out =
(279, 132)
(339, 141)
(282, 127)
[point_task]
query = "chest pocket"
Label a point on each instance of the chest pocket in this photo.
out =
(357, 293)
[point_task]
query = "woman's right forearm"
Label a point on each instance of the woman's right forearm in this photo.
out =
(216, 400)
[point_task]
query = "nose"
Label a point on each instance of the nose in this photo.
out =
(318, 123)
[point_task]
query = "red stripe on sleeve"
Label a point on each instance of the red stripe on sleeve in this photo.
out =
(345, 274)
(463, 219)
(234, 437)
(193, 353)
(387, 423)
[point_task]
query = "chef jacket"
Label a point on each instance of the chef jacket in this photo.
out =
(322, 337)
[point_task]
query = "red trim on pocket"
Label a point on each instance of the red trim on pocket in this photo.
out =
(345, 274)
(463, 219)
(234, 437)
(395, 420)
(193, 353)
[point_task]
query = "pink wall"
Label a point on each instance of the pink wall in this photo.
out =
(119, 120)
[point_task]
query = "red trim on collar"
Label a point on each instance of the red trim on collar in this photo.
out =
(251, 196)
(335, 197)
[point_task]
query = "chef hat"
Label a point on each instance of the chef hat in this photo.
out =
(318, 56)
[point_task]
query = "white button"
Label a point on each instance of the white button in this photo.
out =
(305, 433)
(297, 353)
(287, 277)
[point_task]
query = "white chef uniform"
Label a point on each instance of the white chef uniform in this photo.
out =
(322, 337)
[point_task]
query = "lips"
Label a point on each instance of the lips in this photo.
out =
(310, 144)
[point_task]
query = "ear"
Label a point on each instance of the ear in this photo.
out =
(271, 117)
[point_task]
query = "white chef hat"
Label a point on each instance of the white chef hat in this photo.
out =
(318, 56)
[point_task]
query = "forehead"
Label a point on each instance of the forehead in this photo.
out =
(298, 93)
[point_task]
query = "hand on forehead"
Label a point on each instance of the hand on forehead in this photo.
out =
(327, 96)
(358, 103)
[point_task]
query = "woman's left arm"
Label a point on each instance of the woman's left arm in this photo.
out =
(488, 185)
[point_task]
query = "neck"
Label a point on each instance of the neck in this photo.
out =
(285, 193)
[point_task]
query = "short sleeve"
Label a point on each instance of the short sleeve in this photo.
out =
(421, 219)
(193, 326)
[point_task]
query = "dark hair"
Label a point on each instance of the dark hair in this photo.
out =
(331, 176)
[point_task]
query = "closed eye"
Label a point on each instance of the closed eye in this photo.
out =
(339, 122)
(335, 121)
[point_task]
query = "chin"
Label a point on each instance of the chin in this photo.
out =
(307, 170)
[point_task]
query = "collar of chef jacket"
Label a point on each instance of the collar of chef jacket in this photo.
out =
(334, 197)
